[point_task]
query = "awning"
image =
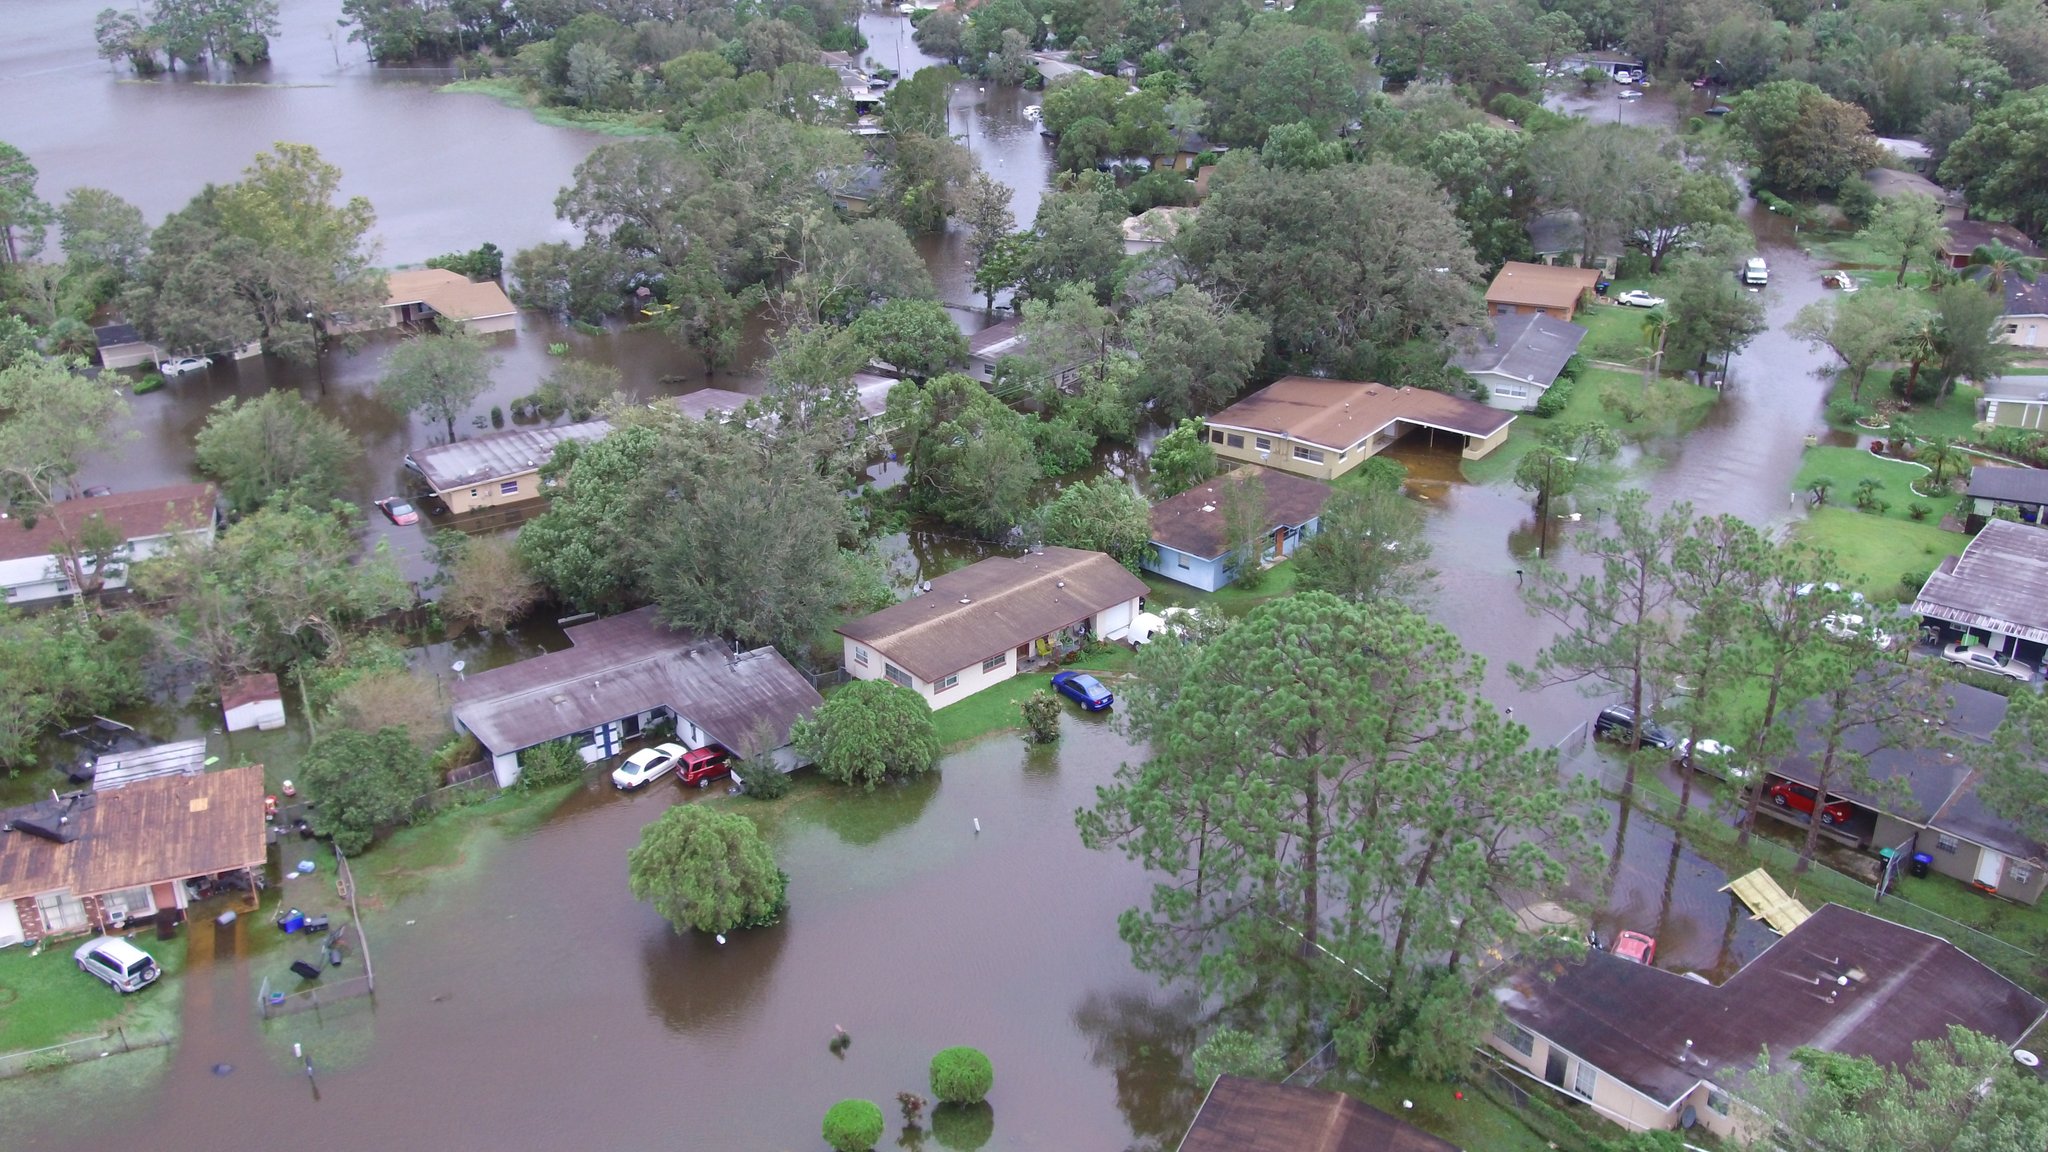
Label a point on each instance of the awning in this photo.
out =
(1970, 619)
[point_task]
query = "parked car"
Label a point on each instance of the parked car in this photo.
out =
(1639, 299)
(647, 765)
(182, 365)
(124, 967)
(1841, 280)
(1799, 798)
(700, 766)
(1619, 724)
(1083, 689)
(398, 511)
(1635, 946)
(1985, 660)
(97, 490)
(1756, 273)
(1713, 758)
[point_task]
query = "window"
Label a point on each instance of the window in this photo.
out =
(948, 682)
(897, 675)
(508, 488)
(1519, 1038)
(1234, 440)
(1585, 1079)
(472, 493)
(2012, 329)
(1180, 559)
(1313, 455)
(860, 656)
(999, 660)
(1717, 1102)
(1945, 842)
(1215, 436)
(1509, 390)
(1262, 444)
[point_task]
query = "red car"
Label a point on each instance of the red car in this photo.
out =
(704, 765)
(1799, 798)
(398, 510)
(1635, 946)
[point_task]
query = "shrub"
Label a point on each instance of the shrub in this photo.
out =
(1919, 511)
(1633, 266)
(1846, 411)
(1041, 717)
(867, 731)
(1237, 1053)
(497, 416)
(556, 762)
(1910, 583)
(1857, 200)
(1551, 404)
(853, 1125)
(1867, 499)
(764, 781)
(962, 1076)
(150, 382)
(707, 870)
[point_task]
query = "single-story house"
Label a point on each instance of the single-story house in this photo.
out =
(1004, 340)
(712, 403)
(870, 396)
(1546, 289)
(121, 346)
(1966, 236)
(983, 624)
(1890, 182)
(1188, 533)
(2024, 490)
(1997, 588)
(1325, 428)
(1612, 63)
(253, 702)
(33, 565)
(1521, 360)
(1912, 153)
(2025, 319)
(502, 468)
(1242, 1115)
(103, 861)
(1651, 1049)
(854, 189)
(1187, 148)
(1149, 230)
(1558, 235)
(416, 294)
(623, 674)
(2017, 401)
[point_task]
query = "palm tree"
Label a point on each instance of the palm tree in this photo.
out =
(1941, 454)
(1920, 345)
(1994, 261)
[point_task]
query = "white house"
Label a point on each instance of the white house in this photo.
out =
(149, 522)
(1521, 360)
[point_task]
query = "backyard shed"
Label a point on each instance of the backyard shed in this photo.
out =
(253, 702)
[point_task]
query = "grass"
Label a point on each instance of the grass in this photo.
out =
(1953, 415)
(1670, 408)
(990, 710)
(1231, 600)
(1475, 1122)
(45, 999)
(1848, 467)
(1878, 551)
(1615, 332)
(512, 93)
(405, 862)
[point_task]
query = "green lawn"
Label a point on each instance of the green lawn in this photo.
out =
(1668, 408)
(1848, 467)
(1877, 551)
(1615, 332)
(1231, 599)
(1474, 1122)
(1953, 416)
(989, 710)
(45, 999)
(609, 123)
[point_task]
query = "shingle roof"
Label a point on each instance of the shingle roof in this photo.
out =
(1192, 522)
(2017, 485)
(1241, 1115)
(470, 462)
(2000, 582)
(1159, 224)
(1842, 981)
(2026, 299)
(1528, 346)
(988, 608)
(1966, 236)
(250, 690)
(449, 293)
(165, 828)
(1541, 285)
(999, 339)
(112, 335)
(1932, 775)
(1337, 414)
(133, 515)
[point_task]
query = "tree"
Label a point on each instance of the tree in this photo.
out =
(1861, 330)
(63, 665)
(1906, 227)
(1001, 266)
(575, 547)
(1670, 203)
(1042, 712)
(364, 782)
(920, 103)
(1710, 314)
(961, 1076)
(1965, 335)
(1579, 168)
(970, 458)
(1193, 353)
(1796, 589)
(123, 36)
(437, 375)
(488, 582)
(984, 210)
(1563, 455)
(24, 216)
(916, 336)
(1998, 162)
(1182, 458)
(1717, 576)
(102, 234)
(233, 32)
(853, 1125)
(1806, 142)
(275, 449)
(1270, 73)
(50, 419)
(1370, 544)
(1992, 263)
(576, 387)
(1076, 238)
(1062, 330)
(1230, 1051)
(707, 870)
(392, 696)
(940, 35)
(1242, 506)
(2013, 785)
(870, 731)
(1101, 515)
(923, 185)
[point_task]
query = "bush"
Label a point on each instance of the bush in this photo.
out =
(1846, 411)
(1633, 266)
(150, 382)
(708, 870)
(556, 762)
(962, 1076)
(1857, 200)
(363, 782)
(1041, 717)
(764, 781)
(1552, 403)
(853, 1125)
(868, 731)
(1919, 511)
(1910, 583)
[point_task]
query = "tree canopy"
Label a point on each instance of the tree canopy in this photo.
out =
(707, 870)
(275, 449)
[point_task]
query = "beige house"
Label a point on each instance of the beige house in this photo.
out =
(418, 294)
(983, 624)
(503, 468)
(2025, 322)
(1325, 428)
(1554, 290)
(1151, 229)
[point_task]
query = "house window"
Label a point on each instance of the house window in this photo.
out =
(2012, 329)
(860, 656)
(1510, 390)
(1234, 440)
(472, 493)
(1584, 1079)
(897, 675)
(1313, 455)
(1180, 559)
(948, 682)
(1215, 436)
(508, 488)
(1717, 1102)
(996, 661)
(1945, 842)
(1519, 1038)
(1262, 444)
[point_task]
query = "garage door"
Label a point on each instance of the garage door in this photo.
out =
(10, 925)
(1114, 623)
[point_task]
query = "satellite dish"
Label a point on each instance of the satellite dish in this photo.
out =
(2026, 1059)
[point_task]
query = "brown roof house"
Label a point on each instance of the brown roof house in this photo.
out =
(1554, 290)
(1240, 1115)
(626, 673)
(502, 468)
(1966, 236)
(93, 861)
(1188, 536)
(1325, 428)
(1651, 1049)
(982, 624)
(417, 294)
(34, 563)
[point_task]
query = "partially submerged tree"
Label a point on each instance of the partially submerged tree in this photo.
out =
(1369, 545)
(437, 375)
(364, 782)
(1182, 458)
(707, 870)
(275, 449)
(488, 583)
(1102, 515)
(870, 731)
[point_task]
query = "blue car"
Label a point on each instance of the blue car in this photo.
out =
(1084, 690)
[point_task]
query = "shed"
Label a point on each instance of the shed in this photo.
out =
(121, 346)
(502, 468)
(253, 702)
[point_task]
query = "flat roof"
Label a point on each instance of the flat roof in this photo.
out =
(1192, 522)
(1541, 285)
(132, 515)
(1242, 1115)
(707, 403)
(465, 463)
(2000, 583)
(1337, 414)
(166, 828)
(2015, 485)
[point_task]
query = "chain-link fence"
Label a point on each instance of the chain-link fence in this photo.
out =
(79, 1051)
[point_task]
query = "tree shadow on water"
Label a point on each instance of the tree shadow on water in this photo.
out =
(1146, 1040)
(963, 1127)
(692, 980)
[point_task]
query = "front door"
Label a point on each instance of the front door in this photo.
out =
(1553, 1068)
(1023, 654)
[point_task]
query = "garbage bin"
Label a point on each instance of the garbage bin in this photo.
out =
(1921, 862)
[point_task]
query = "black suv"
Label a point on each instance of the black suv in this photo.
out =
(1619, 724)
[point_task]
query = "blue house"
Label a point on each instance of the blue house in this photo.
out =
(1188, 537)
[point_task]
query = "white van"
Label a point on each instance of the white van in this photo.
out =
(121, 964)
(1756, 273)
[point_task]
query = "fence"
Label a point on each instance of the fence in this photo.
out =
(469, 791)
(79, 1051)
(272, 1004)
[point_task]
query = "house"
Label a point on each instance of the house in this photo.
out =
(712, 403)
(1966, 236)
(870, 395)
(1150, 230)
(1559, 236)
(980, 625)
(502, 468)
(150, 522)
(1189, 544)
(2024, 490)
(101, 861)
(1521, 360)
(1651, 1049)
(1553, 290)
(2026, 313)
(253, 702)
(414, 295)
(1911, 154)
(1187, 148)
(121, 346)
(1616, 64)
(1241, 1115)
(1996, 590)
(624, 674)
(1004, 340)
(1890, 182)
(1325, 428)
(854, 189)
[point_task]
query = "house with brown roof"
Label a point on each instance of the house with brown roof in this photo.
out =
(501, 468)
(1325, 428)
(1651, 1049)
(35, 559)
(413, 295)
(1005, 340)
(980, 625)
(106, 860)
(1966, 236)
(254, 701)
(1241, 1115)
(1189, 541)
(1554, 290)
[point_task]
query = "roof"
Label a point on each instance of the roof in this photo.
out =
(113, 335)
(1241, 1115)
(1905, 149)
(1527, 346)
(1966, 236)
(871, 392)
(2025, 299)
(988, 608)
(1003, 338)
(1160, 224)
(1890, 182)
(2016, 485)
(856, 182)
(449, 293)
(501, 454)
(1337, 414)
(121, 768)
(1541, 285)
(2017, 389)
(633, 663)
(1192, 522)
(250, 690)
(1999, 582)
(1842, 982)
(167, 828)
(705, 403)
(134, 515)
(1932, 775)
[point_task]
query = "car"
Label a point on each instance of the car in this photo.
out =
(1850, 626)
(1619, 723)
(1799, 798)
(398, 511)
(1713, 758)
(182, 365)
(1635, 946)
(124, 967)
(97, 490)
(1639, 299)
(700, 766)
(1719, 110)
(1840, 279)
(1756, 273)
(1985, 660)
(1830, 587)
(647, 765)
(1084, 690)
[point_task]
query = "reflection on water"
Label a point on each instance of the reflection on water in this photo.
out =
(725, 981)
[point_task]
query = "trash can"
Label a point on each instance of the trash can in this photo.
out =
(315, 924)
(1921, 863)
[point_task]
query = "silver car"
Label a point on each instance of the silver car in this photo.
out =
(1985, 660)
(123, 966)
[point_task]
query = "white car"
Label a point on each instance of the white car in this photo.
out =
(1849, 626)
(182, 365)
(1713, 758)
(1830, 586)
(647, 765)
(1639, 299)
(1985, 660)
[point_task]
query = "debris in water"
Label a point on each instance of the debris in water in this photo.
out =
(223, 1069)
